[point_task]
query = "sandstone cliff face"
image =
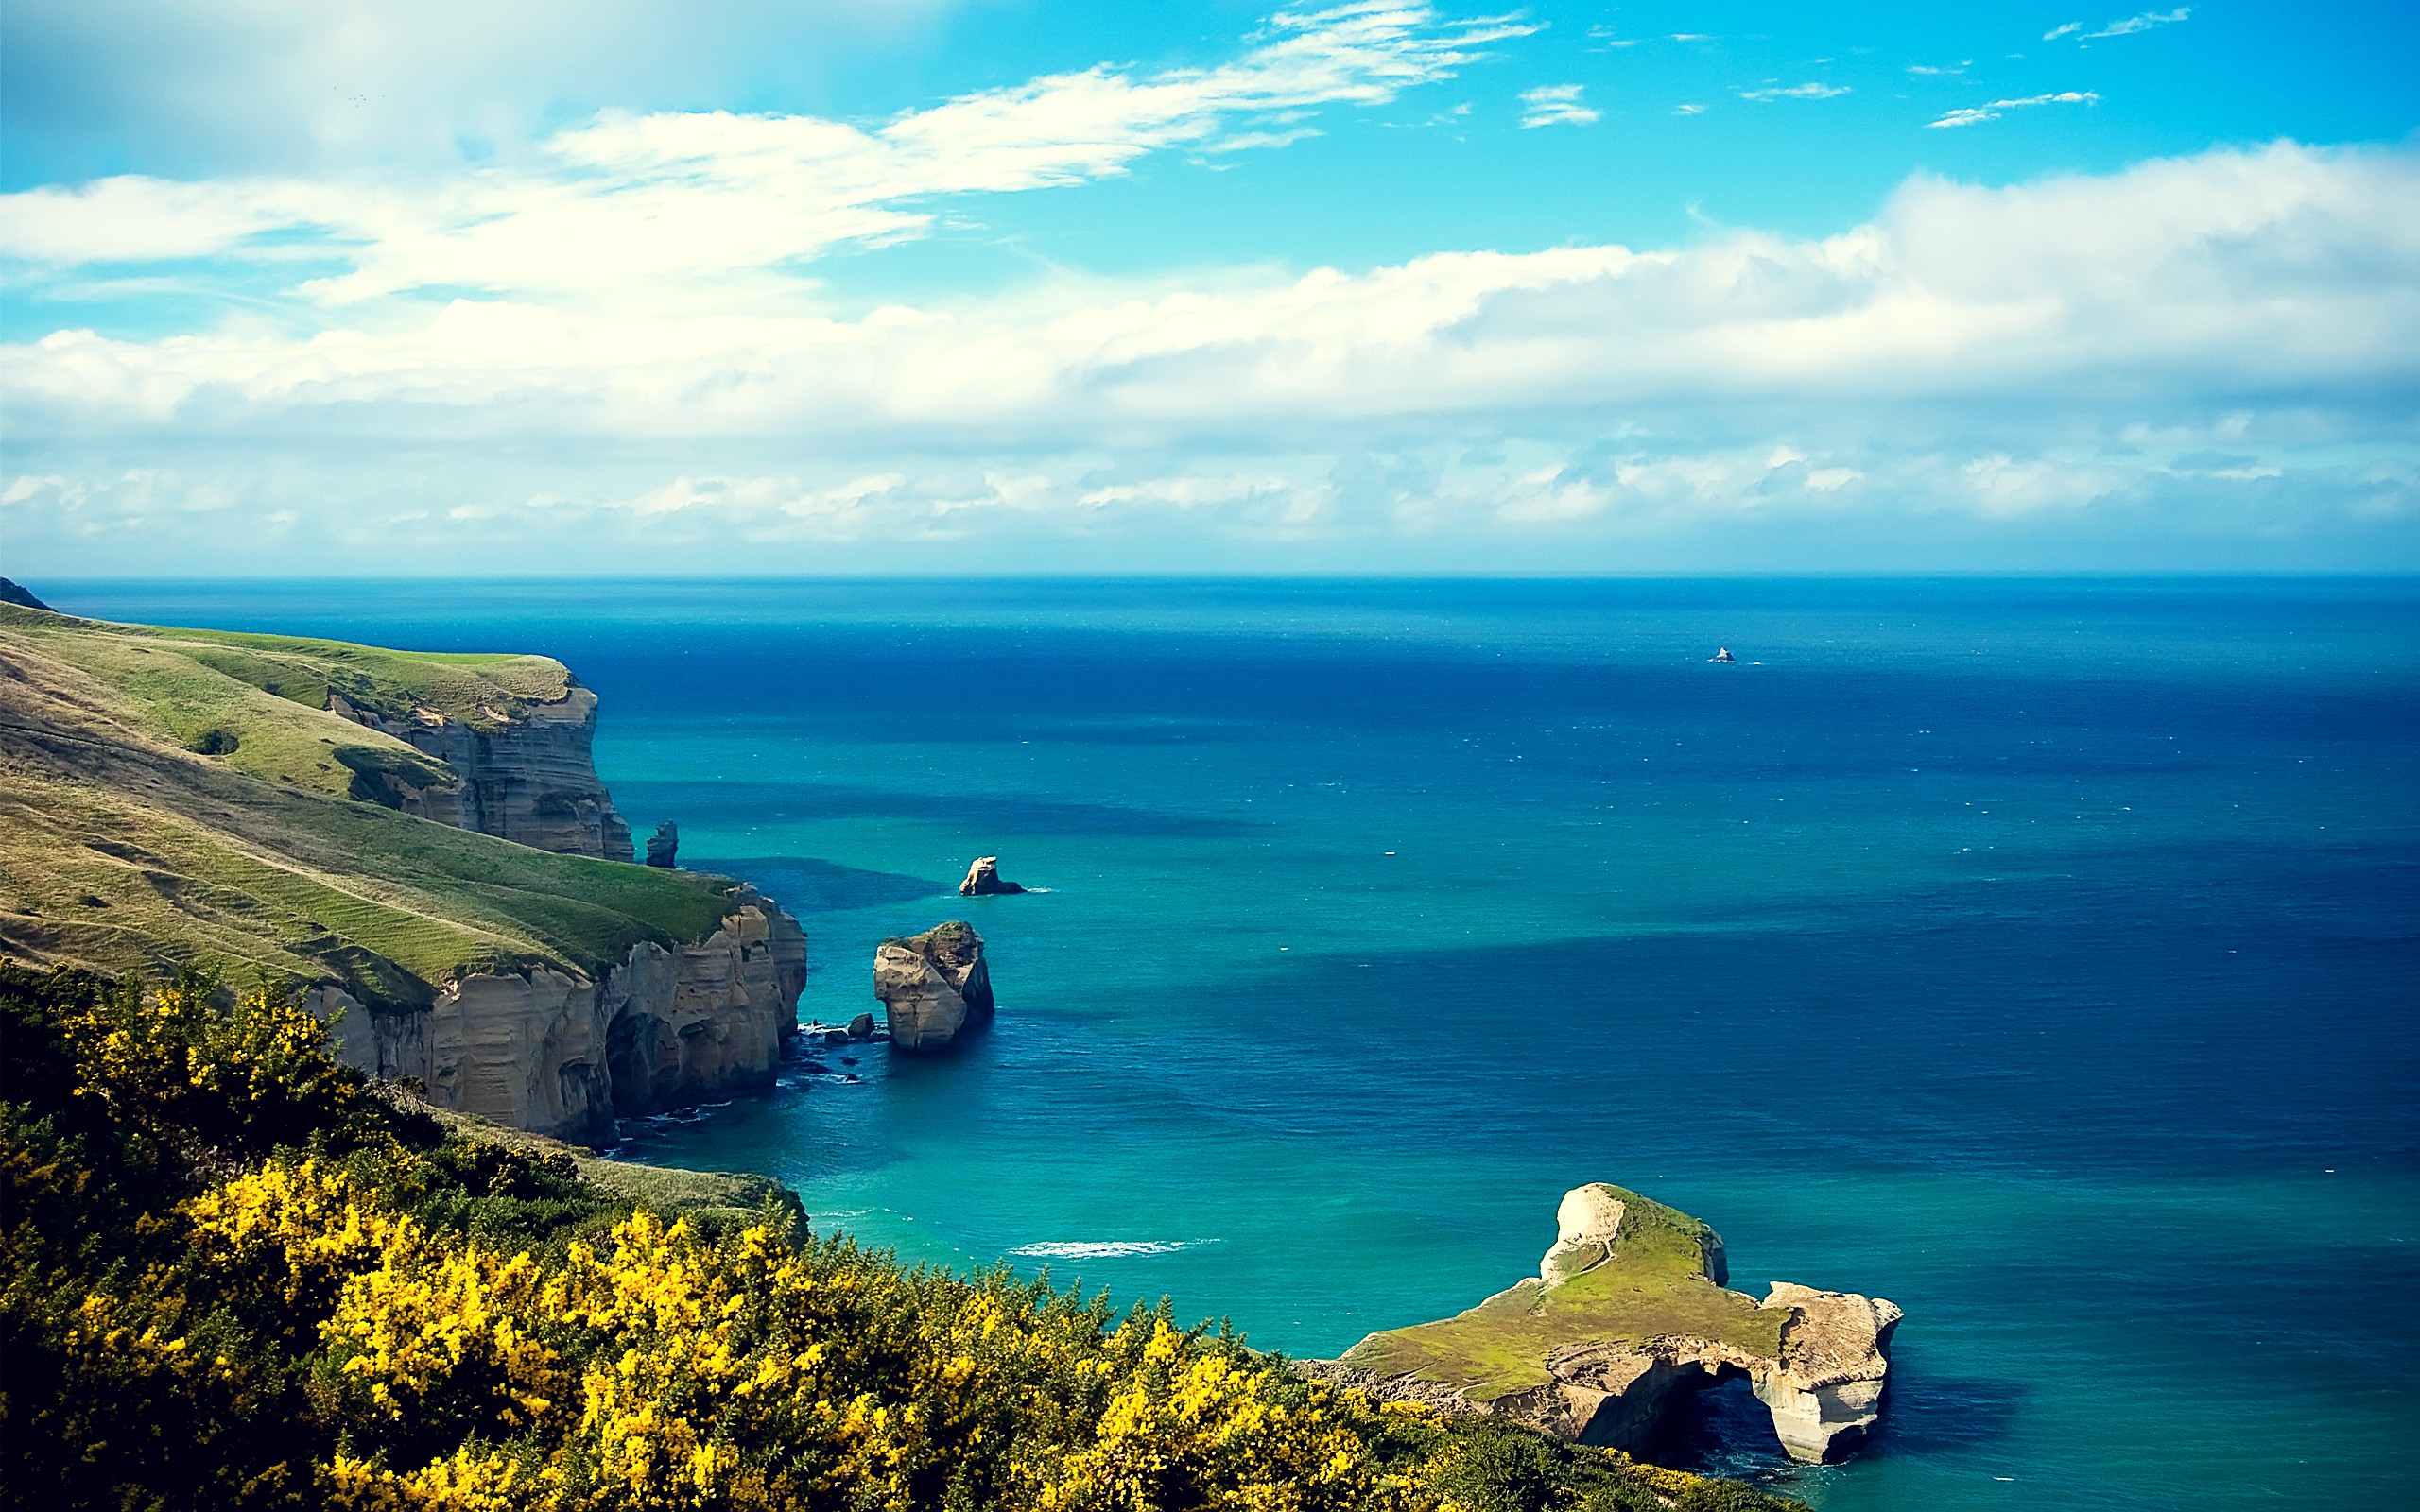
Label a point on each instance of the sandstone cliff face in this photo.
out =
(558, 1053)
(526, 773)
(934, 985)
(1629, 1314)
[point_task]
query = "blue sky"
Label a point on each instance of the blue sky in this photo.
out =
(803, 287)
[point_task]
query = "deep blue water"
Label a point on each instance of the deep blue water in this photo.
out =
(2042, 956)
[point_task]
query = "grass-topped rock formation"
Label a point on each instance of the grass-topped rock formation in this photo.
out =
(287, 808)
(1628, 1313)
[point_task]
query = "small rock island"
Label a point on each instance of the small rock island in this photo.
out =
(1628, 1314)
(934, 986)
(983, 878)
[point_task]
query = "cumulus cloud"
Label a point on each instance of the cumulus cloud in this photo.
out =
(1555, 105)
(2233, 335)
(692, 204)
(1977, 115)
(2284, 268)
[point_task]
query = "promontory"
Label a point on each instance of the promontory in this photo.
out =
(419, 839)
(1627, 1317)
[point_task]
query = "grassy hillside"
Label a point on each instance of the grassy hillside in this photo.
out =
(180, 797)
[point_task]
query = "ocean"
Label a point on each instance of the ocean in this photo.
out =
(2038, 954)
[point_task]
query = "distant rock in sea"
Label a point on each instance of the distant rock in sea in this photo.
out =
(934, 986)
(664, 846)
(1627, 1315)
(984, 878)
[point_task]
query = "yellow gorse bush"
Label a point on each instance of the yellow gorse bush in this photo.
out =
(657, 1369)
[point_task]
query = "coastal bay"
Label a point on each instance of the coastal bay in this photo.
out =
(2034, 954)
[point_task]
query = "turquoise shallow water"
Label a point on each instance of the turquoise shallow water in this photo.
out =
(2040, 955)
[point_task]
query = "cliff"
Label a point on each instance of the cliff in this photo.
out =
(565, 1055)
(241, 804)
(522, 770)
(1627, 1315)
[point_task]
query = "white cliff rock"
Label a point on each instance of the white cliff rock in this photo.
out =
(558, 1053)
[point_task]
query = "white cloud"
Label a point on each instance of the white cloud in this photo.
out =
(1555, 105)
(2064, 29)
(1941, 70)
(1975, 114)
(2268, 269)
(2067, 347)
(2142, 23)
(688, 206)
(1689, 109)
(1796, 92)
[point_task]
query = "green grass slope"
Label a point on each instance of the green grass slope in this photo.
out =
(1653, 1286)
(179, 798)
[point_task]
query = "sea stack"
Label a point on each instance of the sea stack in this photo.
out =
(664, 846)
(984, 878)
(934, 986)
(1627, 1315)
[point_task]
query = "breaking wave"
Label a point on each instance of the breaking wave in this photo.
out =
(1104, 1248)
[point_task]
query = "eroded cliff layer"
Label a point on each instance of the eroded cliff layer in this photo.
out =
(524, 771)
(1627, 1317)
(563, 1054)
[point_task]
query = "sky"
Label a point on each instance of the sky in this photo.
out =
(981, 285)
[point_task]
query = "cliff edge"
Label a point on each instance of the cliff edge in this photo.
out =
(1629, 1312)
(242, 805)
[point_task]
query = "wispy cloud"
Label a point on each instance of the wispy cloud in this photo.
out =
(1975, 114)
(1941, 70)
(1796, 92)
(696, 203)
(2142, 23)
(2127, 28)
(1689, 109)
(1555, 105)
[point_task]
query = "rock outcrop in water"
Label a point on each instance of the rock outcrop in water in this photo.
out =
(983, 878)
(1627, 1317)
(934, 986)
(664, 846)
(524, 766)
(562, 1054)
